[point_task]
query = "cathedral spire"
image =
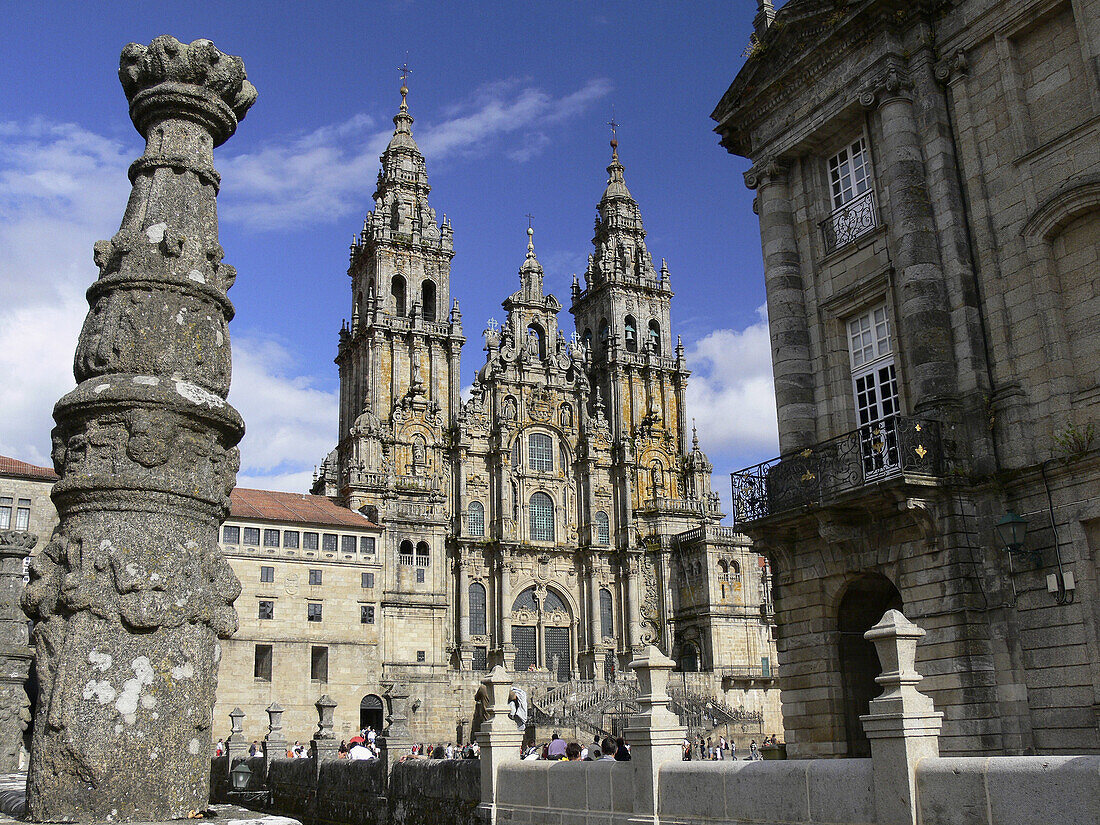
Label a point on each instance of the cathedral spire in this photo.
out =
(530, 274)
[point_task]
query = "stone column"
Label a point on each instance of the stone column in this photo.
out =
(132, 592)
(634, 609)
(903, 725)
(790, 333)
(924, 320)
(499, 738)
(15, 651)
(595, 633)
(235, 744)
(654, 734)
(462, 609)
(398, 737)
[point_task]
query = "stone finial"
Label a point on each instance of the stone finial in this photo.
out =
(145, 447)
(653, 668)
(326, 707)
(167, 76)
(275, 723)
(765, 16)
(895, 639)
(236, 726)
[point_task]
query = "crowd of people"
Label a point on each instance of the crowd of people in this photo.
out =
(557, 749)
(706, 748)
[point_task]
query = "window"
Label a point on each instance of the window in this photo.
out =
(542, 517)
(5, 513)
(291, 539)
(267, 609)
(230, 535)
(271, 538)
(405, 553)
(540, 450)
(313, 612)
(423, 555)
(875, 387)
(366, 545)
(397, 292)
(420, 575)
(267, 575)
(517, 453)
(315, 577)
(23, 514)
(262, 666)
(631, 334)
(427, 295)
(605, 332)
(607, 615)
(481, 658)
(475, 521)
(252, 536)
(368, 580)
(309, 541)
(318, 664)
(328, 542)
(477, 609)
(421, 656)
(849, 173)
(603, 528)
(366, 614)
(655, 337)
(348, 544)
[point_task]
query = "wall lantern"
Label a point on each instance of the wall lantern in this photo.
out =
(240, 777)
(1011, 531)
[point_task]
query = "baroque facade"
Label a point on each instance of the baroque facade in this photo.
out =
(927, 181)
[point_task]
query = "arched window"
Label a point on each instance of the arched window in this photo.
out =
(477, 609)
(607, 614)
(517, 453)
(631, 334)
(540, 452)
(542, 517)
(526, 601)
(397, 292)
(655, 337)
(475, 520)
(605, 333)
(427, 296)
(689, 658)
(423, 554)
(554, 602)
(735, 571)
(587, 339)
(405, 553)
(603, 528)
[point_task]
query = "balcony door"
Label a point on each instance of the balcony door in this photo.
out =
(875, 390)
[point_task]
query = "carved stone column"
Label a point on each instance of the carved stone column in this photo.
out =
(15, 651)
(924, 319)
(132, 592)
(787, 323)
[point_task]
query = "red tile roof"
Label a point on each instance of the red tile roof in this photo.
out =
(15, 467)
(269, 505)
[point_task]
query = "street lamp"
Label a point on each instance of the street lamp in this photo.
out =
(1012, 530)
(239, 777)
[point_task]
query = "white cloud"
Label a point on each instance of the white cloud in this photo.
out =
(325, 174)
(61, 189)
(731, 394)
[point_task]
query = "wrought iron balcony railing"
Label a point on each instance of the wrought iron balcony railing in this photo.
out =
(853, 220)
(895, 446)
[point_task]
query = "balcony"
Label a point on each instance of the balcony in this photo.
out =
(682, 506)
(850, 222)
(898, 447)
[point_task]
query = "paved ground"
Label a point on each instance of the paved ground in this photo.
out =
(13, 796)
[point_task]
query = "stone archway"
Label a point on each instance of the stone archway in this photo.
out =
(372, 712)
(542, 632)
(864, 601)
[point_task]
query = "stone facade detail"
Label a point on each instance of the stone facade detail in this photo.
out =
(930, 216)
(132, 592)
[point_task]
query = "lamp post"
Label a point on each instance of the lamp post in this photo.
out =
(240, 776)
(1011, 532)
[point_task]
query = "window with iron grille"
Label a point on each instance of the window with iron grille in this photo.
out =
(313, 612)
(420, 575)
(267, 575)
(607, 614)
(291, 539)
(475, 520)
(251, 536)
(851, 195)
(309, 541)
(315, 577)
(318, 664)
(603, 528)
(366, 614)
(262, 666)
(271, 538)
(328, 542)
(421, 656)
(481, 658)
(368, 580)
(267, 609)
(477, 609)
(348, 544)
(557, 651)
(540, 450)
(541, 513)
(523, 638)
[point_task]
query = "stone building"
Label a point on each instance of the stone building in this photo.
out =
(927, 181)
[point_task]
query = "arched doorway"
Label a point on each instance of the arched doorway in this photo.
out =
(371, 712)
(861, 607)
(542, 629)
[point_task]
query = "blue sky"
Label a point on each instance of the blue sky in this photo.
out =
(511, 102)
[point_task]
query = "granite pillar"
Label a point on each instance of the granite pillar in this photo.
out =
(15, 651)
(132, 593)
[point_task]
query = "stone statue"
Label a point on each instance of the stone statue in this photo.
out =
(15, 652)
(132, 593)
(509, 411)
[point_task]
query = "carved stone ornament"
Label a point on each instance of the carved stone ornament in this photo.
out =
(132, 593)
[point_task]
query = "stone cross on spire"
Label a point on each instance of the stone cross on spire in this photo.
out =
(614, 135)
(405, 72)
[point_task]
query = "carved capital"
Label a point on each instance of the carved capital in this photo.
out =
(771, 170)
(892, 85)
(952, 68)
